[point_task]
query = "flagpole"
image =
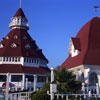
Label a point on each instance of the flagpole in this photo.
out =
(20, 3)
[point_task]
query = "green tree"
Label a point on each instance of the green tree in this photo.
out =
(66, 83)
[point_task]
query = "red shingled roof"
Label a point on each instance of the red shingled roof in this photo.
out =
(18, 43)
(89, 37)
(19, 13)
(15, 68)
(20, 50)
(76, 43)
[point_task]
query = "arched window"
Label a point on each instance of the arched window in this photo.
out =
(93, 79)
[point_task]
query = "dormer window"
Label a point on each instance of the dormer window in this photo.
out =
(7, 37)
(37, 49)
(13, 45)
(74, 47)
(24, 38)
(1, 45)
(27, 46)
(15, 37)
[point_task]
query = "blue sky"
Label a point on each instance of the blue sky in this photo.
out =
(52, 23)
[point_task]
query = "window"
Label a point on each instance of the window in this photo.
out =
(7, 37)
(13, 45)
(27, 46)
(24, 38)
(30, 78)
(37, 49)
(93, 79)
(2, 78)
(18, 20)
(16, 78)
(1, 45)
(41, 79)
(15, 37)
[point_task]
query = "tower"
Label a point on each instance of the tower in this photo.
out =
(21, 57)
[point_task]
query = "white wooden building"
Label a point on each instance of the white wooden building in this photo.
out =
(84, 54)
(21, 57)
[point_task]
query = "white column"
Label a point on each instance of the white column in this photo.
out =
(35, 83)
(97, 88)
(23, 82)
(99, 79)
(7, 86)
(22, 60)
(15, 86)
(52, 75)
(26, 83)
(83, 87)
(76, 75)
(86, 76)
(52, 79)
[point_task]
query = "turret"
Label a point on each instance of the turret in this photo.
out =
(19, 21)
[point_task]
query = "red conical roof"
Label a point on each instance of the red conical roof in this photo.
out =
(19, 13)
(18, 43)
(25, 45)
(89, 37)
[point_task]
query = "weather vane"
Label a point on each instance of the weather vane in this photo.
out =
(20, 3)
(95, 9)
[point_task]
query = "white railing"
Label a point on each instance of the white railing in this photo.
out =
(20, 96)
(76, 96)
(87, 91)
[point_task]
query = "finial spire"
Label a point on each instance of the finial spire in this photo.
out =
(20, 3)
(95, 9)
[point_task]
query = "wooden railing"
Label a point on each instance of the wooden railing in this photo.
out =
(20, 96)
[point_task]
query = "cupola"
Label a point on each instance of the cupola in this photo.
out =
(19, 21)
